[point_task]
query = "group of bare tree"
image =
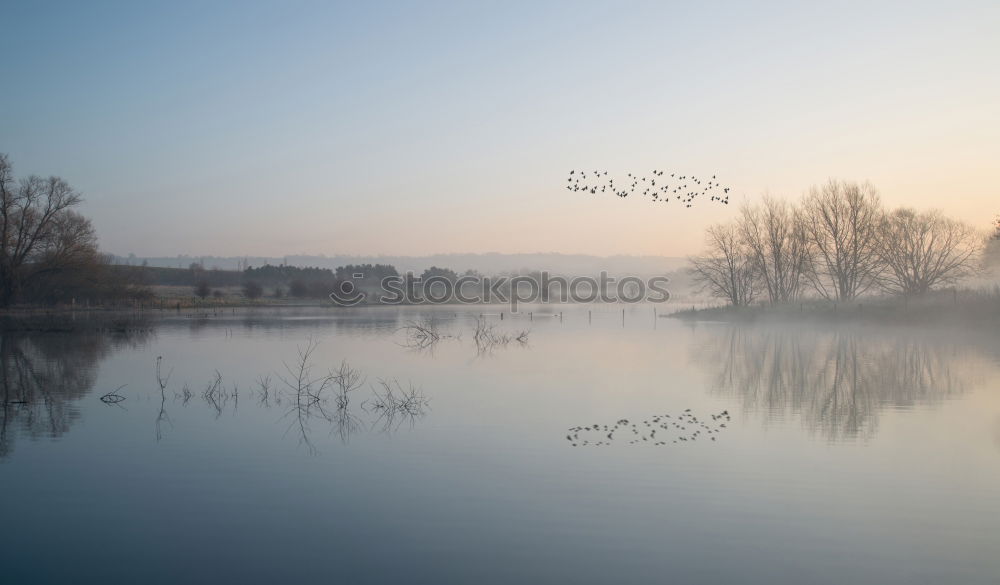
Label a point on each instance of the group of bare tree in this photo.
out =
(837, 242)
(48, 251)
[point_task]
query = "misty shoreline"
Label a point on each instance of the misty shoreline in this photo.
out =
(955, 307)
(964, 308)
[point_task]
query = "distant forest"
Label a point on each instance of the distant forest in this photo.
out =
(487, 263)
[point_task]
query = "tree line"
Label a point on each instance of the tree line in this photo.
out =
(312, 282)
(837, 242)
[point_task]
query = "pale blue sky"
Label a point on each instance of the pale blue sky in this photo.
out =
(412, 128)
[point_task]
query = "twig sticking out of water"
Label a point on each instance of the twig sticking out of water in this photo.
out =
(113, 397)
(422, 334)
(326, 398)
(264, 390)
(488, 337)
(185, 394)
(394, 403)
(308, 392)
(162, 380)
(215, 394)
(347, 380)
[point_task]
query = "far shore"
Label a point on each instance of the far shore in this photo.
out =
(967, 308)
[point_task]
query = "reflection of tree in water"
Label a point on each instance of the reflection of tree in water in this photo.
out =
(42, 375)
(836, 381)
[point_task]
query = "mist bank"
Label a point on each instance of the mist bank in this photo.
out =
(967, 308)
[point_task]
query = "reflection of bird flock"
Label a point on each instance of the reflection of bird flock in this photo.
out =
(659, 186)
(659, 430)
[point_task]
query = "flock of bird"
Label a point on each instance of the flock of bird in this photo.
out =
(659, 186)
(659, 430)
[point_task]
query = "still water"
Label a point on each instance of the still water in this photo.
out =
(782, 454)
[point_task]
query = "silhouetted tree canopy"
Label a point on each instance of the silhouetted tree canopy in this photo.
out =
(837, 242)
(445, 273)
(48, 252)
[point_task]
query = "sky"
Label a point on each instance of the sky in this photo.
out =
(274, 128)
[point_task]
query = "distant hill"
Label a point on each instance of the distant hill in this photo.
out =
(490, 263)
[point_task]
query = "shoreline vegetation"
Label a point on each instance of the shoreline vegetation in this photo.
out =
(959, 307)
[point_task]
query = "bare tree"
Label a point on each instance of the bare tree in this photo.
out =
(841, 222)
(37, 228)
(775, 237)
(924, 250)
(726, 270)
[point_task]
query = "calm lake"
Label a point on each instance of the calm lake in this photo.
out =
(781, 454)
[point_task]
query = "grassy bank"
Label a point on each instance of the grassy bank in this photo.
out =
(960, 307)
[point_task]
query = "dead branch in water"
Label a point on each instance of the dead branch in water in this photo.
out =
(347, 380)
(113, 397)
(488, 337)
(394, 403)
(328, 398)
(215, 394)
(422, 334)
(310, 398)
(162, 380)
(185, 394)
(264, 390)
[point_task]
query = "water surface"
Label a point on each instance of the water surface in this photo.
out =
(850, 454)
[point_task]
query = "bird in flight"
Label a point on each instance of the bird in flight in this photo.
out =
(685, 189)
